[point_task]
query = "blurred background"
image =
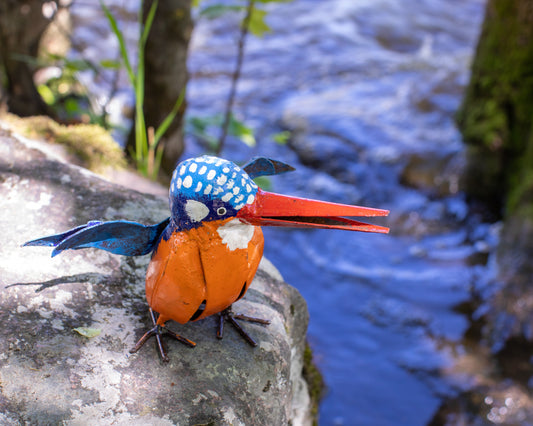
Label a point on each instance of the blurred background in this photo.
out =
(362, 98)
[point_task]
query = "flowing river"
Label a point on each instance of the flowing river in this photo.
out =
(367, 90)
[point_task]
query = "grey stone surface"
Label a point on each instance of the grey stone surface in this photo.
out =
(51, 375)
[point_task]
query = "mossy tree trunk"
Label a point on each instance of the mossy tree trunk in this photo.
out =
(496, 120)
(166, 73)
(21, 26)
(496, 117)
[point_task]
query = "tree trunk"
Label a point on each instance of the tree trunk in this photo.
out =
(166, 73)
(21, 25)
(496, 117)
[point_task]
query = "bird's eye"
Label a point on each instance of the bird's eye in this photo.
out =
(221, 211)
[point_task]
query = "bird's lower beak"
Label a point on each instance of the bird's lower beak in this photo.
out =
(269, 209)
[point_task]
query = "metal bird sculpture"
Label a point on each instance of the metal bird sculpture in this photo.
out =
(205, 255)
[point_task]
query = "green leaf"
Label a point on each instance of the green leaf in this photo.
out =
(240, 130)
(76, 65)
(217, 10)
(50, 56)
(47, 94)
(28, 59)
(257, 24)
(110, 64)
(87, 331)
(282, 137)
(263, 182)
(248, 139)
(72, 106)
(198, 126)
(201, 124)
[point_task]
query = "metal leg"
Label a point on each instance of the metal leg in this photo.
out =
(150, 333)
(228, 315)
(158, 331)
(220, 330)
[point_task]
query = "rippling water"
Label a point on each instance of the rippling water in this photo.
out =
(368, 90)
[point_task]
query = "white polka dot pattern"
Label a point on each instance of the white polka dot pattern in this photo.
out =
(215, 178)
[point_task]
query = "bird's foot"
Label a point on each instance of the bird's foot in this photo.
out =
(228, 315)
(157, 332)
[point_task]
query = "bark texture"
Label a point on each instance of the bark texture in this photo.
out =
(21, 26)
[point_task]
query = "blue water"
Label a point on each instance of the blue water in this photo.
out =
(364, 87)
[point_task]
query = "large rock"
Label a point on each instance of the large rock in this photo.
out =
(50, 374)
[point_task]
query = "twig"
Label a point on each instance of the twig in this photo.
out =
(235, 77)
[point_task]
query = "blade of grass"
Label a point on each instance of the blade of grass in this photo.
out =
(163, 127)
(141, 139)
(141, 145)
(148, 23)
(122, 43)
(140, 131)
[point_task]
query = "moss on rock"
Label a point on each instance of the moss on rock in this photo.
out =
(314, 380)
(91, 145)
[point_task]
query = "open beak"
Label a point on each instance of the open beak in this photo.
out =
(269, 209)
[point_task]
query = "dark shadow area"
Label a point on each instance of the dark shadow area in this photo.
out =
(78, 278)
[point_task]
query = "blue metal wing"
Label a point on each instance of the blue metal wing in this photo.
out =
(119, 237)
(262, 166)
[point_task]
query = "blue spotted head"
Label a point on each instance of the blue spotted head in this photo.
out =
(208, 188)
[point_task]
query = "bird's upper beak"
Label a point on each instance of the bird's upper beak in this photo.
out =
(269, 209)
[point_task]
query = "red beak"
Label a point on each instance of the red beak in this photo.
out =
(269, 209)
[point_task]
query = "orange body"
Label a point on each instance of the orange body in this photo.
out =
(202, 271)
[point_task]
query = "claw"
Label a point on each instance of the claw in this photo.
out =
(158, 331)
(228, 315)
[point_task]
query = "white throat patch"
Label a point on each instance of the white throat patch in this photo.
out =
(236, 234)
(196, 210)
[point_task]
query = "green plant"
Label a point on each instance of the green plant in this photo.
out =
(254, 22)
(203, 128)
(282, 137)
(68, 99)
(148, 149)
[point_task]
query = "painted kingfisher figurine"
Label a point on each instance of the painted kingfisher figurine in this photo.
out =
(205, 255)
